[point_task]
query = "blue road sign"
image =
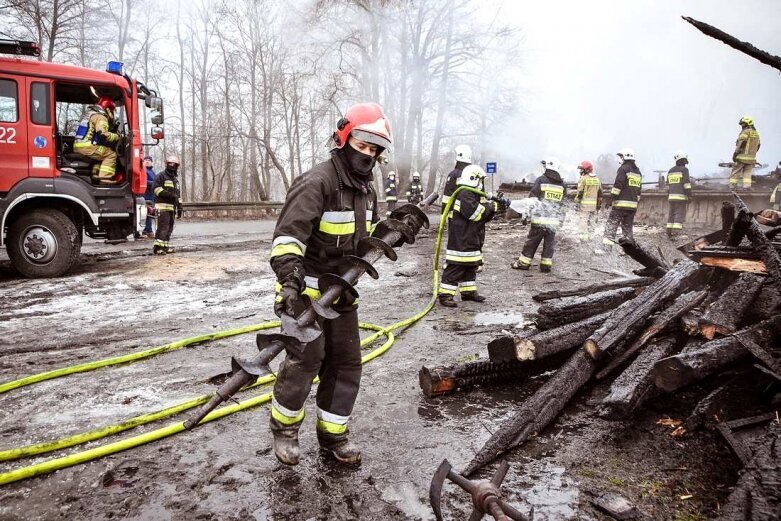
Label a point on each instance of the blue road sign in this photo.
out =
(490, 168)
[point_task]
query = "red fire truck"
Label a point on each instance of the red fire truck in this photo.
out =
(48, 199)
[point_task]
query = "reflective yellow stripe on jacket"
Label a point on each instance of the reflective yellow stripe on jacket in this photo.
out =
(342, 223)
(287, 245)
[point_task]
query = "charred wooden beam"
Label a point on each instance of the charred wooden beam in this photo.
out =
(757, 495)
(677, 371)
(761, 243)
(630, 318)
(636, 383)
(656, 266)
(738, 229)
(635, 282)
(538, 411)
(727, 217)
(709, 409)
(441, 380)
(544, 343)
(768, 303)
(725, 315)
(561, 311)
(744, 47)
(664, 320)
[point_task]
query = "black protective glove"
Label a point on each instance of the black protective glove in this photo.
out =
(179, 212)
(289, 300)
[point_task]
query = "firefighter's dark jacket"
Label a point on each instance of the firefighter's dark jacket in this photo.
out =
(627, 186)
(166, 190)
(391, 190)
(326, 212)
(450, 182)
(466, 228)
(550, 190)
(678, 183)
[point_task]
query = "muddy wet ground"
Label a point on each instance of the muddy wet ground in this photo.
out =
(121, 299)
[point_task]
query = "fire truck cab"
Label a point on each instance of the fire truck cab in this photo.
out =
(48, 198)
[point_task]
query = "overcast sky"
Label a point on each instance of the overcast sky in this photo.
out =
(599, 75)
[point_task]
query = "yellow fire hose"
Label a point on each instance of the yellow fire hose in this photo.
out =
(174, 428)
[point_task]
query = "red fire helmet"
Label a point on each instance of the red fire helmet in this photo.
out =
(586, 167)
(364, 121)
(106, 103)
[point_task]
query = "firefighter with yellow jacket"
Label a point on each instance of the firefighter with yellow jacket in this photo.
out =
(679, 189)
(745, 155)
(327, 211)
(95, 140)
(589, 199)
(465, 238)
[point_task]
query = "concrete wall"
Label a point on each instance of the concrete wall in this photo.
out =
(704, 208)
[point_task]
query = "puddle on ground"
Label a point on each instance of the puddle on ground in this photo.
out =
(553, 495)
(500, 318)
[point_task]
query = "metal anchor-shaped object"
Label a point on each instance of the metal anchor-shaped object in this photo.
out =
(486, 496)
(297, 332)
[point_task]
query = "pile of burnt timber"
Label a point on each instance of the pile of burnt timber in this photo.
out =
(674, 326)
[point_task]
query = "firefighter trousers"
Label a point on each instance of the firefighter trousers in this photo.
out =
(676, 217)
(106, 167)
(391, 205)
(336, 358)
(741, 170)
(619, 217)
(458, 277)
(165, 227)
(538, 234)
(587, 221)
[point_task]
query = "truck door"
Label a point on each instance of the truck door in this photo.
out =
(41, 138)
(13, 132)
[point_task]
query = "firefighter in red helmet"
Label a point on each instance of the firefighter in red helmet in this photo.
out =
(95, 140)
(327, 211)
(589, 199)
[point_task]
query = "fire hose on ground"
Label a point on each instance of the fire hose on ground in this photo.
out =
(255, 380)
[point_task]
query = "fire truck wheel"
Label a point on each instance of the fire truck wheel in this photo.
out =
(43, 243)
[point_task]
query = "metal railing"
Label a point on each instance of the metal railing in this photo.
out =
(224, 206)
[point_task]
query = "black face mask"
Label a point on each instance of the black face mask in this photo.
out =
(360, 164)
(173, 169)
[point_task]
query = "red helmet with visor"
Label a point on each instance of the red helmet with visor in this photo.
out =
(364, 121)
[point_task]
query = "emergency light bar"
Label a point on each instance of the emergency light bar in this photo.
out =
(19, 47)
(114, 68)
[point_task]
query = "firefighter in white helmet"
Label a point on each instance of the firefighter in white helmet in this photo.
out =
(168, 205)
(625, 195)
(391, 192)
(415, 191)
(463, 157)
(547, 217)
(679, 190)
(466, 234)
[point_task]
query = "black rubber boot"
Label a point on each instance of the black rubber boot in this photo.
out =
(447, 301)
(286, 442)
(545, 268)
(340, 447)
(158, 250)
(473, 296)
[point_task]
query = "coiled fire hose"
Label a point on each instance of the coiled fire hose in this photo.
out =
(177, 427)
